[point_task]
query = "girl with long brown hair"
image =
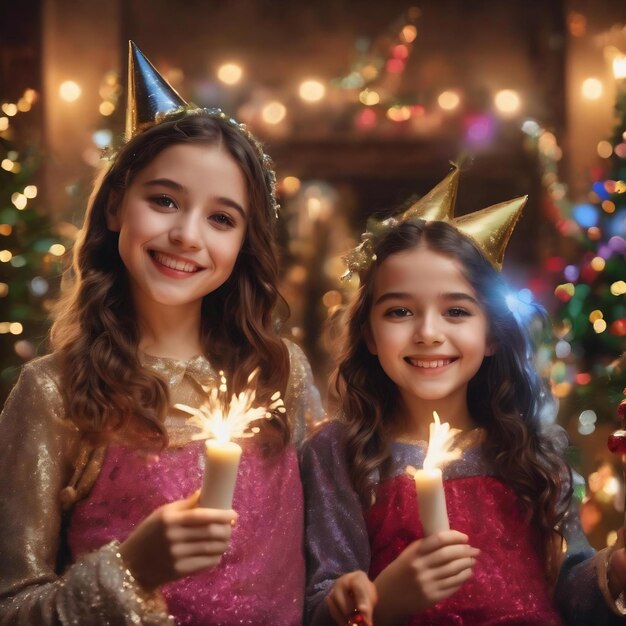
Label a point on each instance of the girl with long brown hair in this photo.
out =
(174, 280)
(433, 328)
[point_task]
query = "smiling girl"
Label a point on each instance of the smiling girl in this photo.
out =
(174, 279)
(430, 330)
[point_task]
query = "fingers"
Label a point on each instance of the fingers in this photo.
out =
(198, 548)
(352, 591)
(184, 567)
(440, 540)
(205, 532)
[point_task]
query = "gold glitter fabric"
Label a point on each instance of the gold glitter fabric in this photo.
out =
(45, 468)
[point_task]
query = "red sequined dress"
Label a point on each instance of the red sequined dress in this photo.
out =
(508, 584)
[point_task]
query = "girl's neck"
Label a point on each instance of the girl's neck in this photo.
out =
(170, 332)
(413, 418)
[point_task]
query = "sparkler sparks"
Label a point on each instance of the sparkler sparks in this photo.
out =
(440, 450)
(224, 420)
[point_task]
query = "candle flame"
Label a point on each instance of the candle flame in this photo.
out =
(440, 450)
(223, 420)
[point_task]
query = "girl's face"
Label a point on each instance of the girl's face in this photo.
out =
(427, 327)
(181, 225)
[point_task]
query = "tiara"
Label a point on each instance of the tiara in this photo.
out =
(151, 100)
(489, 229)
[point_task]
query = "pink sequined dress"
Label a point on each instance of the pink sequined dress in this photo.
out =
(64, 507)
(508, 585)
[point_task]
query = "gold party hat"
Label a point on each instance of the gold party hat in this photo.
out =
(491, 228)
(438, 204)
(149, 94)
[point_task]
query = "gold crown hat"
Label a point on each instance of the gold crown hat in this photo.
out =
(489, 229)
(151, 97)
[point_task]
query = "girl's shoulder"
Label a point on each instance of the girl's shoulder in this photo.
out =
(326, 439)
(41, 375)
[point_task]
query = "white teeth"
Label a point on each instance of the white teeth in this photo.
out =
(175, 264)
(431, 364)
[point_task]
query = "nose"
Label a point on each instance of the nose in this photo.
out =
(428, 329)
(186, 230)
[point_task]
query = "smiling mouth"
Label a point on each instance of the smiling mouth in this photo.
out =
(429, 363)
(173, 263)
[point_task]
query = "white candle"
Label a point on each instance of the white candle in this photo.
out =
(220, 474)
(431, 500)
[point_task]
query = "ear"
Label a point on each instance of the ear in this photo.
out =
(369, 340)
(490, 348)
(112, 213)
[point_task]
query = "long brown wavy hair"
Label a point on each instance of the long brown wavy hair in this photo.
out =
(107, 393)
(506, 396)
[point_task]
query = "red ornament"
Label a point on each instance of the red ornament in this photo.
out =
(621, 410)
(617, 442)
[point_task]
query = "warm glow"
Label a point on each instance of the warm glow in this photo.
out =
(598, 263)
(19, 201)
(23, 105)
(106, 108)
(619, 67)
(608, 206)
(605, 149)
(4, 290)
(291, 185)
(599, 326)
(441, 438)
(312, 91)
(4, 123)
(15, 328)
(57, 249)
(230, 73)
(6, 229)
(409, 33)
(592, 89)
(5, 256)
(449, 100)
(30, 191)
(618, 288)
(507, 101)
(9, 109)
(274, 112)
(596, 315)
(223, 419)
(7, 165)
(369, 97)
(70, 91)
(399, 113)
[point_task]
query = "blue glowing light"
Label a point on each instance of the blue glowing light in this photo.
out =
(586, 215)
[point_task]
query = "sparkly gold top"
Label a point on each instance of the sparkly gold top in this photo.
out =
(45, 467)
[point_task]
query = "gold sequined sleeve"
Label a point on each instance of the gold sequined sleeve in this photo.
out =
(302, 399)
(36, 462)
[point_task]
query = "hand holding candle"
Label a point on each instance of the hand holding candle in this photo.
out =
(220, 422)
(429, 480)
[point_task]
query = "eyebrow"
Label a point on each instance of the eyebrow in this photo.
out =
(172, 184)
(454, 295)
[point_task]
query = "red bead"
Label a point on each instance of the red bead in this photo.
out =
(356, 619)
(617, 442)
(621, 410)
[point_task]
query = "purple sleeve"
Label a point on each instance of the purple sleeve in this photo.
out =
(336, 535)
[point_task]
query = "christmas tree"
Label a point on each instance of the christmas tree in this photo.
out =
(30, 247)
(591, 312)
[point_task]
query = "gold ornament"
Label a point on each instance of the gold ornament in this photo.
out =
(489, 229)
